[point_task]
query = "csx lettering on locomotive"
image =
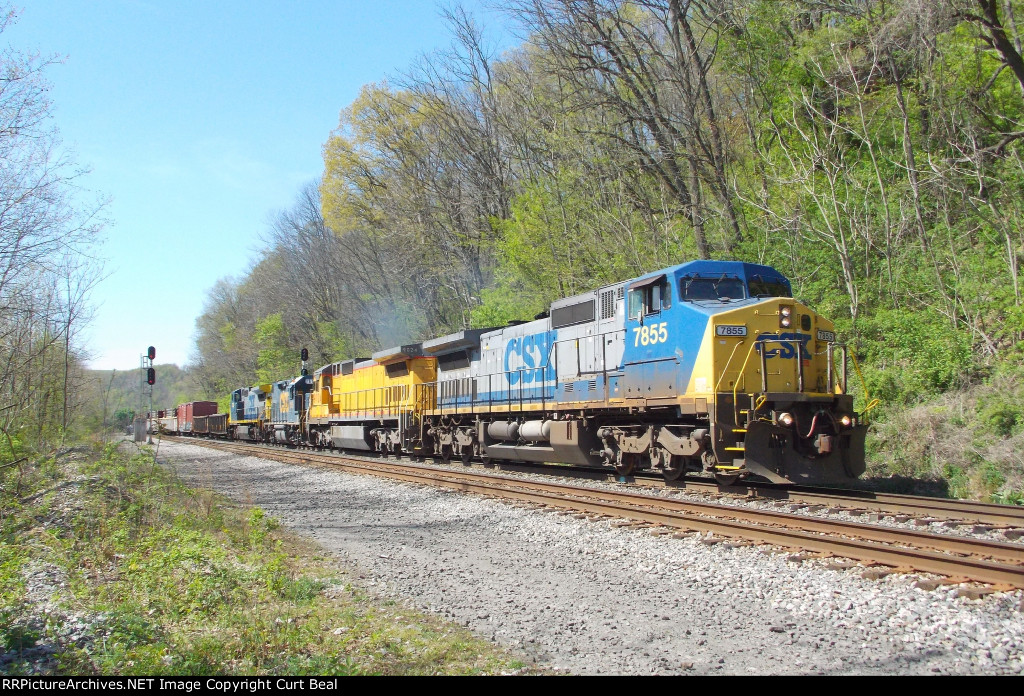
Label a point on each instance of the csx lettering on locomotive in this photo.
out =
(780, 345)
(527, 357)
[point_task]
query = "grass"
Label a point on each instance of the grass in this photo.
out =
(109, 565)
(969, 441)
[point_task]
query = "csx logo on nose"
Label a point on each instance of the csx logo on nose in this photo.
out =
(785, 347)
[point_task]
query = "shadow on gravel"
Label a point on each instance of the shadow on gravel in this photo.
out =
(905, 485)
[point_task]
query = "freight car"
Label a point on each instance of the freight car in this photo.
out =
(188, 412)
(180, 420)
(213, 425)
(709, 366)
(166, 421)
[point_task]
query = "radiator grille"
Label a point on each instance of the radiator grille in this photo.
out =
(608, 304)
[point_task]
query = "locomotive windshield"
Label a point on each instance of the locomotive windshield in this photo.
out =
(768, 288)
(711, 289)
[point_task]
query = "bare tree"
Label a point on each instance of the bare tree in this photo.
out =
(649, 62)
(46, 264)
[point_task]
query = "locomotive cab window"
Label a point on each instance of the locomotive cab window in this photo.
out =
(759, 287)
(649, 296)
(703, 289)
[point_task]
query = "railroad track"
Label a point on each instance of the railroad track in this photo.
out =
(843, 500)
(851, 501)
(986, 561)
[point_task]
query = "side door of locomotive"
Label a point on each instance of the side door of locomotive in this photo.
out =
(650, 363)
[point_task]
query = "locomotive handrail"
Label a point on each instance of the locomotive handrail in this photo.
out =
(764, 370)
(833, 377)
(869, 403)
(725, 369)
(736, 386)
(604, 354)
(514, 393)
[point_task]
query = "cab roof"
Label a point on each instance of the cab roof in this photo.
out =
(712, 269)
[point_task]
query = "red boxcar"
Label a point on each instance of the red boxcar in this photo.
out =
(187, 412)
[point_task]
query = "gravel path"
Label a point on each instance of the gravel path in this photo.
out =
(591, 598)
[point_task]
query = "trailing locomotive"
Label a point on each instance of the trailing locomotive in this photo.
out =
(709, 366)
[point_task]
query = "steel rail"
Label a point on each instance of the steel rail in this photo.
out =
(951, 509)
(969, 511)
(888, 535)
(894, 503)
(849, 539)
(891, 503)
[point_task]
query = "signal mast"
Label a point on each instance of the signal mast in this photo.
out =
(149, 374)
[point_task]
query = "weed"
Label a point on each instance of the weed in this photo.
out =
(168, 580)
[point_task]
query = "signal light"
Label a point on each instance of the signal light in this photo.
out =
(150, 376)
(151, 352)
(305, 355)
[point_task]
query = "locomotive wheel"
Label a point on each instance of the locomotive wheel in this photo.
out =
(467, 455)
(627, 463)
(726, 479)
(674, 468)
(446, 453)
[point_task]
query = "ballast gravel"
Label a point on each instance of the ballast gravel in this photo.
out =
(593, 598)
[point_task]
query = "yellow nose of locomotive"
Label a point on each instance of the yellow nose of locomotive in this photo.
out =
(776, 346)
(780, 407)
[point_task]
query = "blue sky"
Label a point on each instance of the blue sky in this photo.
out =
(199, 121)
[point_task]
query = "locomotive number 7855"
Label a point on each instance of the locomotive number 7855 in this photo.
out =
(650, 335)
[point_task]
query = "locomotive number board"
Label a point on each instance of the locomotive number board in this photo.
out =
(728, 330)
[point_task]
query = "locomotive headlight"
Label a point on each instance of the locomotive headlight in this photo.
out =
(785, 419)
(785, 317)
(846, 421)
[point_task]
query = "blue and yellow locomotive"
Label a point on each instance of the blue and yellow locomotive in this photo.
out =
(709, 366)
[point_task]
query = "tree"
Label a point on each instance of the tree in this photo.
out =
(46, 270)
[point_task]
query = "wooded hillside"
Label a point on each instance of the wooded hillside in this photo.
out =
(869, 150)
